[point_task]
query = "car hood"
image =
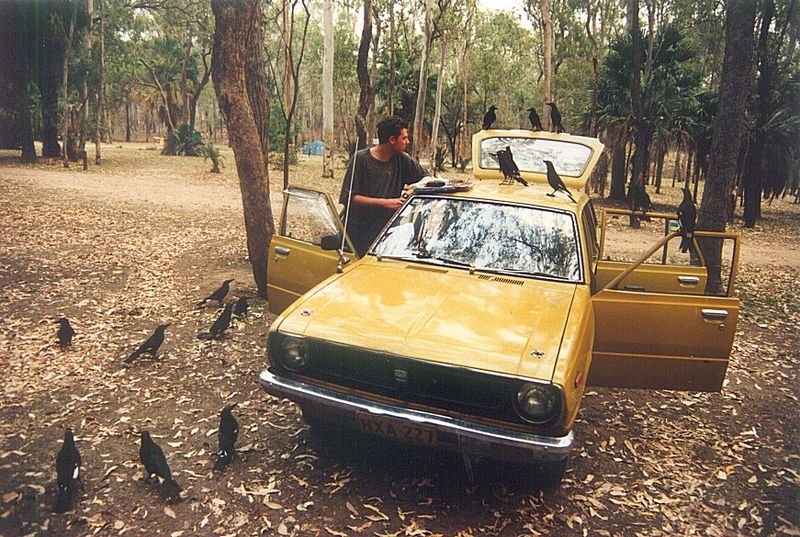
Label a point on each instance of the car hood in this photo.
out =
(505, 325)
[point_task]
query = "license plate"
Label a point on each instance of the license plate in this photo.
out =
(409, 432)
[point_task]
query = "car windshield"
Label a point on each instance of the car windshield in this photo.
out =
(486, 236)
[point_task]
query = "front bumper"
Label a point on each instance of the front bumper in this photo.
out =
(452, 433)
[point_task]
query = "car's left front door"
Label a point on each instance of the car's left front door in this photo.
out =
(297, 261)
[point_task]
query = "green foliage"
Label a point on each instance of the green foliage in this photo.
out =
(209, 151)
(185, 141)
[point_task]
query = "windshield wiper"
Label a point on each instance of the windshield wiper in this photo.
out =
(512, 272)
(427, 255)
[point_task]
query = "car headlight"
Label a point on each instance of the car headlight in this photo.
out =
(538, 403)
(292, 352)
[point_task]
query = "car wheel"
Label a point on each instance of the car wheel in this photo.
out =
(550, 474)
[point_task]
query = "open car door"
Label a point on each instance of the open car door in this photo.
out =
(656, 328)
(304, 250)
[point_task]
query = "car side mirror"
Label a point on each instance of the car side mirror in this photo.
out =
(331, 242)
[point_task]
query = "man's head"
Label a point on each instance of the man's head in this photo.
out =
(393, 130)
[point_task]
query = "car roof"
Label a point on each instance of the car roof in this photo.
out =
(534, 194)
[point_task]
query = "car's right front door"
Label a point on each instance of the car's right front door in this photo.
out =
(297, 262)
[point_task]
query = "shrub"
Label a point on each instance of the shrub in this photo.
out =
(184, 141)
(208, 151)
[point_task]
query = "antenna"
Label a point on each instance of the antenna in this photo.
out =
(340, 265)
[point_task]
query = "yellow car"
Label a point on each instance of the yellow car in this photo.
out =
(477, 318)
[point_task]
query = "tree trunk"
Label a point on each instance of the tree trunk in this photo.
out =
(617, 191)
(466, 144)
(392, 66)
(662, 153)
(365, 96)
(438, 110)
(422, 89)
(294, 72)
(642, 136)
(65, 88)
(257, 88)
(755, 158)
(22, 75)
(187, 51)
(229, 76)
(127, 120)
(547, 63)
(327, 90)
(728, 123)
(98, 116)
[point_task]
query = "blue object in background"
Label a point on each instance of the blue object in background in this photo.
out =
(315, 148)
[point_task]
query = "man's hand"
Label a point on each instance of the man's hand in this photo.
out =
(393, 203)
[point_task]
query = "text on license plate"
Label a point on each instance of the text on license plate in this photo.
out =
(396, 429)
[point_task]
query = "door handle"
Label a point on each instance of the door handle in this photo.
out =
(714, 315)
(688, 280)
(634, 288)
(282, 250)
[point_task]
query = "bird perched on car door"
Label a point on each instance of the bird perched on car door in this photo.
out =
(155, 463)
(65, 333)
(218, 295)
(489, 117)
(555, 182)
(228, 433)
(220, 325)
(68, 469)
(533, 117)
(687, 214)
(555, 118)
(151, 345)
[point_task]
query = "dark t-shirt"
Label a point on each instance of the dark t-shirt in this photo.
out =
(375, 179)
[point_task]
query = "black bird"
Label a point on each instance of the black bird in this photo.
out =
(687, 214)
(555, 182)
(220, 325)
(155, 463)
(536, 123)
(151, 345)
(68, 468)
(489, 117)
(228, 432)
(641, 200)
(218, 295)
(555, 118)
(65, 333)
(240, 310)
(508, 167)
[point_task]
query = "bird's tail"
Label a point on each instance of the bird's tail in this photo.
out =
(135, 354)
(686, 242)
(568, 193)
(223, 459)
(63, 501)
(170, 491)
(206, 335)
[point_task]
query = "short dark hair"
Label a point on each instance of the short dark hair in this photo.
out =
(390, 126)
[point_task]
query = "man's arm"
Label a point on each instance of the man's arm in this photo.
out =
(388, 203)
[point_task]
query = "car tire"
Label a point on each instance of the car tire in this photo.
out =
(550, 474)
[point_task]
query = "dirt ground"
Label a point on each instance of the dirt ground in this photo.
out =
(138, 241)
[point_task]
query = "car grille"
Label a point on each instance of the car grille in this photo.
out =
(434, 385)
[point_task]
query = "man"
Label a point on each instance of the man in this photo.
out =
(380, 174)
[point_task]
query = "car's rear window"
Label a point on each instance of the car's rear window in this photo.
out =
(485, 235)
(569, 158)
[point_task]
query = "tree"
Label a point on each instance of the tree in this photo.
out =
(101, 89)
(68, 39)
(422, 89)
(366, 94)
(229, 74)
(734, 85)
(327, 90)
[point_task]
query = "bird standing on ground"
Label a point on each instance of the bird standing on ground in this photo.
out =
(155, 463)
(220, 325)
(151, 345)
(65, 333)
(489, 117)
(555, 118)
(555, 182)
(533, 117)
(508, 167)
(240, 310)
(228, 433)
(687, 214)
(68, 469)
(218, 295)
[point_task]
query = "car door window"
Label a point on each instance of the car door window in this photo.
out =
(308, 218)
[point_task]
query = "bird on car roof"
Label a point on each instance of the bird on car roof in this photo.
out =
(536, 122)
(65, 333)
(489, 117)
(217, 330)
(218, 295)
(228, 433)
(151, 345)
(155, 463)
(555, 181)
(508, 167)
(687, 215)
(555, 118)
(68, 470)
